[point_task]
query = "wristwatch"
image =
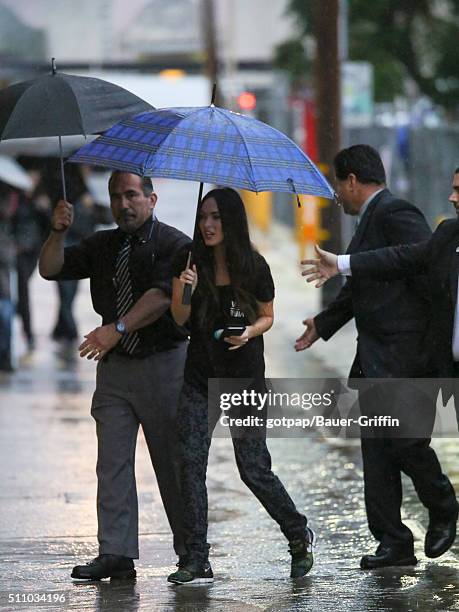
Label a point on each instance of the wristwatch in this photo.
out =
(120, 327)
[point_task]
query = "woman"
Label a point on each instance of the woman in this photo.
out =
(232, 288)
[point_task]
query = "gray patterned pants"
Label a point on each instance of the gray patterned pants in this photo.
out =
(253, 461)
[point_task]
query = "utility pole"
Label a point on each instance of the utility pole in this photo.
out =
(328, 115)
(212, 67)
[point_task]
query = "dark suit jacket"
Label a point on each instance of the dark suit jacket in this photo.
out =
(391, 317)
(437, 258)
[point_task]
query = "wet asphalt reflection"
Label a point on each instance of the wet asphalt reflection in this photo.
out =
(48, 517)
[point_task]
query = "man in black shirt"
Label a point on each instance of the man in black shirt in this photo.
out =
(140, 353)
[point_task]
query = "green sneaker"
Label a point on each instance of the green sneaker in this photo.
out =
(192, 572)
(302, 557)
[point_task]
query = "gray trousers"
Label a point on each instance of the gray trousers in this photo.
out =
(132, 392)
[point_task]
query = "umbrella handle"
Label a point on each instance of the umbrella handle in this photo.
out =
(64, 190)
(188, 289)
(186, 296)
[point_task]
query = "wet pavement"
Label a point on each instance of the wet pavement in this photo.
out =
(47, 501)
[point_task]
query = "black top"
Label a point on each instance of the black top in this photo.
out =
(150, 265)
(210, 358)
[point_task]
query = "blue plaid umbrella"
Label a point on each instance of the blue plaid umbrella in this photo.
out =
(207, 144)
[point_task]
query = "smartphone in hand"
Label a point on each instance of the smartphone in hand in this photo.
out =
(233, 330)
(229, 330)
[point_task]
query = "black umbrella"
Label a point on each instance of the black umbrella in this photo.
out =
(59, 104)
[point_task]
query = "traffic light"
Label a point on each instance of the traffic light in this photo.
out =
(247, 101)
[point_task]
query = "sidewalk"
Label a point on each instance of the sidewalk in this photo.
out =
(47, 502)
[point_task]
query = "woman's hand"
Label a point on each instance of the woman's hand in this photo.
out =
(189, 277)
(238, 341)
(261, 325)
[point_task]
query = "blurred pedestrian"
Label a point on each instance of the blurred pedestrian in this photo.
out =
(9, 200)
(30, 223)
(231, 309)
(391, 320)
(140, 353)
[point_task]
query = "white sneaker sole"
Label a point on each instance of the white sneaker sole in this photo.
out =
(196, 581)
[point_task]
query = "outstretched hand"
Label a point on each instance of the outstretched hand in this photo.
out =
(322, 269)
(308, 337)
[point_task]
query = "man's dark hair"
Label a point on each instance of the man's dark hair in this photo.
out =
(147, 184)
(457, 170)
(361, 160)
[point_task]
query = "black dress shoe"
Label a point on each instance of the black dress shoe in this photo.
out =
(105, 566)
(387, 556)
(440, 536)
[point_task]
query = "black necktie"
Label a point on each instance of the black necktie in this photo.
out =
(124, 299)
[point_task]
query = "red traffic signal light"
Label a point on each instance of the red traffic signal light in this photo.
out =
(247, 101)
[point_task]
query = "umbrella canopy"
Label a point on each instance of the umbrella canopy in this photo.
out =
(64, 105)
(43, 147)
(14, 174)
(59, 104)
(207, 144)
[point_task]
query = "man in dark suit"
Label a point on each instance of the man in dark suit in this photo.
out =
(391, 318)
(438, 258)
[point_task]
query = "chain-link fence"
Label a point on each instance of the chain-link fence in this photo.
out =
(420, 163)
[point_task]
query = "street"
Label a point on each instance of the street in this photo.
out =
(47, 501)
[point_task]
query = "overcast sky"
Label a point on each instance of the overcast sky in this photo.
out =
(34, 12)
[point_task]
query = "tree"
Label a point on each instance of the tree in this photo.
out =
(401, 38)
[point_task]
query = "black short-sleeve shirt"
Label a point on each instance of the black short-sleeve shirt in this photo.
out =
(210, 358)
(150, 264)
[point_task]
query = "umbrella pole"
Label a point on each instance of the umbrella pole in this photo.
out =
(186, 297)
(64, 191)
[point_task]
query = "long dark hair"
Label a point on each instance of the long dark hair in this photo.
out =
(240, 258)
